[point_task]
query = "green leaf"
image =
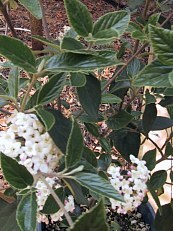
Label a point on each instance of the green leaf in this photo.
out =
(134, 67)
(158, 179)
(69, 43)
(149, 98)
(76, 190)
(97, 184)
(110, 98)
(27, 213)
(46, 117)
(169, 150)
(61, 130)
(93, 129)
(155, 75)
(105, 144)
(17, 175)
(120, 120)
(50, 205)
(170, 77)
(149, 117)
(72, 62)
(79, 17)
(18, 53)
(13, 82)
(33, 7)
(154, 195)
(133, 4)
(8, 216)
(94, 219)
(104, 161)
(77, 79)
(52, 89)
(90, 96)
(126, 142)
(150, 158)
(161, 123)
(164, 222)
(89, 156)
(74, 145)
(171, 176)
(161, 40)
(47, 42)
(114, 22)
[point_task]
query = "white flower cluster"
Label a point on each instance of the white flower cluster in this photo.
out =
(42, 195)
(43, 192)
(27, 142)
(132, 185)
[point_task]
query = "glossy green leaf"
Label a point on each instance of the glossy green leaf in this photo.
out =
(74, 145)
(8, 216)
(161, 40)
(155, 74)
(149, 98)
(149, 117)
(46, 117)
(52, 89)
(61, 130)
(18, 53)
(114, 22)
(17, 175)
(134, 67)
(13, 82)
(50, 205)
(104, 161)
(126, 142)
(94, 219)
(76, 190)
(73, 62)
(26, 213)
(79, 17)
(104, 142)
(90, 96)
(110, 98)
(150, 158)
(33, 7)
(161, 123)
(93, 129)
(120, 120)
(158, 179)
(89, 156)
(69, 43)
(97, 184)
(77, 79)
(164, 222)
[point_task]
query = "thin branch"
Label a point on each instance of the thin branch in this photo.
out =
(7, 18)
(124, 67)
(34, 78)
(58, 201)
(147, 4)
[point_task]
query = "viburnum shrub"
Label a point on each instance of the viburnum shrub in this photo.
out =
(51, 170)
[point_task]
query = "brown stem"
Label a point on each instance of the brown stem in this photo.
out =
(36, 29)
(7, 18)
(44, 21)
(147, 4)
